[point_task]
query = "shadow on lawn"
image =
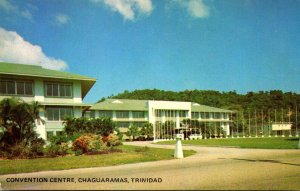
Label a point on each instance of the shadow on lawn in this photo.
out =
(292, 139)
(270, 161)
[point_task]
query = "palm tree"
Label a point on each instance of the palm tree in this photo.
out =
(18, 121)
(147, 130)
(133, 131)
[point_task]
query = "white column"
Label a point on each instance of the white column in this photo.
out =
(114, 117)
(177, 120)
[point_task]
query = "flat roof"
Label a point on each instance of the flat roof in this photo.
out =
(121, 104)
(204, 108)
(38, 71)
(142, 105)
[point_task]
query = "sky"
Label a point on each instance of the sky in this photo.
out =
(232, 45)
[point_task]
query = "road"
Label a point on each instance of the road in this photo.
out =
(213, 168)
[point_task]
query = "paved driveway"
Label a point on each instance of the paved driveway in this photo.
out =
(211, 168)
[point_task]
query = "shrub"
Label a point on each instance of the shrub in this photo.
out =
(88, 142)
(78, 152)
(56, 150)
(37, 147)
(112, 140)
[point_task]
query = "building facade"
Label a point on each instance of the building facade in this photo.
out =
(59, 93)
(125, 112)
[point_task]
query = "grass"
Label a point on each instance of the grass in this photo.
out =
(130, 154)
(261, 143)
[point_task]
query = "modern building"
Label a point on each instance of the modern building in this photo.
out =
(60, 93)
(127, 112)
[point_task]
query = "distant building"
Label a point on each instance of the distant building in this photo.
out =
(60, 93)
(127, 112)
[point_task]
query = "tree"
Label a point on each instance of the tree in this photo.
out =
(133, 132)
(147, 130)
(102, 126)
(17, 119)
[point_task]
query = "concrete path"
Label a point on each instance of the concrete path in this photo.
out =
(212, 168)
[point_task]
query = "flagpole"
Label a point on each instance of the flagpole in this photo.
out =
(269, 123)
(249, 123)
(297, 135)
(290, 122)
(262, 123)
(282, 122)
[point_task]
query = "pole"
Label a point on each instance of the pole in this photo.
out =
(297, 135)
(282, 122)
(243, 124)
(232, 127)
(204, 129)
(262, 123)
(255, 124)
(249, 123)
(290, 122)
(275, 122)
(269, 123)
(237, 125)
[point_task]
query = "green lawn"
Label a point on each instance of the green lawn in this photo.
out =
(262, 143)
(130, 154)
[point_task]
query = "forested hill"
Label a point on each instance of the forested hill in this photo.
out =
(227, 100)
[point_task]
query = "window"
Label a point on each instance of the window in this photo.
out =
(226, 115)
(217, 115)
(138, 114)
(158, 113)
(122, 124)
(195, 115)
(169, 113)
(204, 115)
(183, 114)
(58, 90)
(122, 114)
(49, 134)
(16, 87)
(59, 133)
(58, 113)
(138, 124)
(105, 114)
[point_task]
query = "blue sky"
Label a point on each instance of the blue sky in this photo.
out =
(242, 45)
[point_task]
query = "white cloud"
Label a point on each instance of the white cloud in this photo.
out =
(7, 6)
(195, 8)
(13, 9)
(26, 14)
(129, 9)
(14, 49)
(62, 19)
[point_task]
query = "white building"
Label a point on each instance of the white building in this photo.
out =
(60, 93)
(184, 115)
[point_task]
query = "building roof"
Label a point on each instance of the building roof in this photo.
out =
(66, 104)
(142, 105)
(121, 104)
(204, 108)
(38, 71)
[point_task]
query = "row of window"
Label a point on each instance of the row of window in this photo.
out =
(170, 113)
(119, 114)
(58, 113)
(10, 87)
(58, 90)
(25, 88)
(128, 124)
(208, 115)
